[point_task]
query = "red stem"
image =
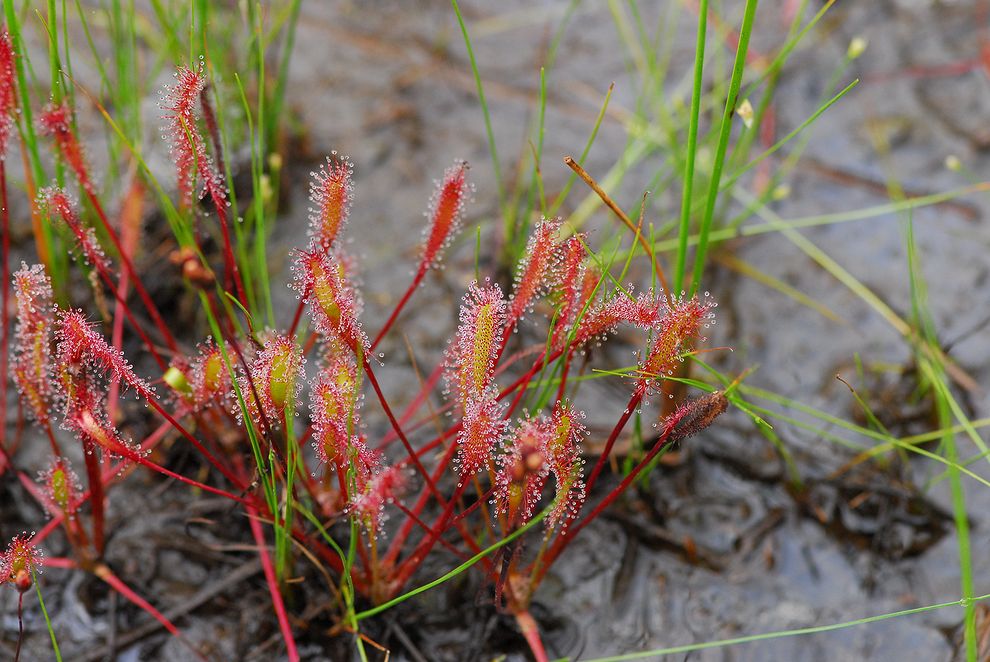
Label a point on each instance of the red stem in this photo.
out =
(20, 626)
(272, 581)
(402, 304)
(529, 629)
(230, 264)
(5, 215)
(95, 481)
(398, 430)
(104, 573)
(616, 431)
(125, 260)
(150, 399)
(407, 526)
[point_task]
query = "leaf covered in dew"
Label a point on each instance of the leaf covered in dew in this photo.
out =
(537, 270)
(186, 145)
(58, 202)
(321, 281)
(446, 213)
(483, 428)
(61, 487)
(679, 327)
(330, 190)
(56, 120)
(80, 346)
(8, 90)
(335, 407)
(19, 562)
(31, 355)
(380, 489)
(272, 381)
(541, 447)
(470, 360)
(202, 380)
(522, 472)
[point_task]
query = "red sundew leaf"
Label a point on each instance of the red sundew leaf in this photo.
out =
(536, 271)
(482, 430)
(201, 381)
(446, 212)
(19, 562)
(275, 375)
(8, 90)
(330, 190)
(563, 452)
(210, 377)
(80, 346)
(335, 400)
(61, 487)
(694, 416)
(92, 427)
(522, 472)
(31, 364)
(58, 202)
(334, 306)
(645, 311)
(56, 121)
(678, 329)
(569, 287)
(470, 362)
(186, 144)
(382, 488)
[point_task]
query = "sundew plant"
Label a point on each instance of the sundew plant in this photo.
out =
(491, 468)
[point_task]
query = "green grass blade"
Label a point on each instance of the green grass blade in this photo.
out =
(692, 149)
(735, 81)
(48, 621)
(484, 103)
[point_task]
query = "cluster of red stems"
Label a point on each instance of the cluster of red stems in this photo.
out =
(244, 384)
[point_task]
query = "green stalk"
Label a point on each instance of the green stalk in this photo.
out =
(484, 107)
(48, 620)
(723, 142)
(692, 148)
(26, 128)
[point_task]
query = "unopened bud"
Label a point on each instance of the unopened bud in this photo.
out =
(22, 580)
(745, 112)
(857, 46)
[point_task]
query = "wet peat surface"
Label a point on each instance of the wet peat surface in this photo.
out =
(718, 543)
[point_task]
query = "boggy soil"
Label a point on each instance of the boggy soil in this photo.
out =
(719, 542)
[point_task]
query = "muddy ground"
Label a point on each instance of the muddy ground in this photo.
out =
(390, 86)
